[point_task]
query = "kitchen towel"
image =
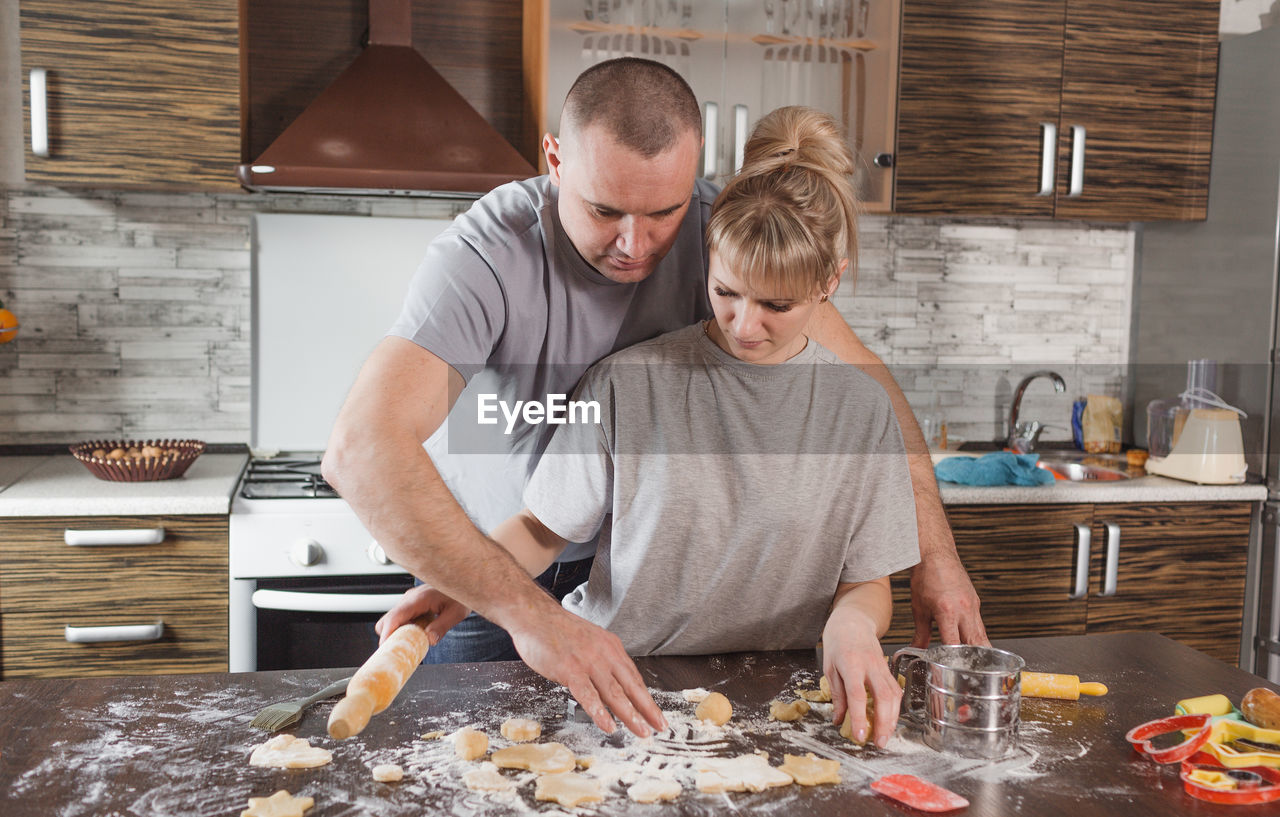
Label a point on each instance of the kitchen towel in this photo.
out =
(996, 468)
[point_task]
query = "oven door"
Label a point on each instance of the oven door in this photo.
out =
(321, 622)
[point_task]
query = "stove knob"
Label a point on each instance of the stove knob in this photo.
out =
(377, 554)
(306, 553)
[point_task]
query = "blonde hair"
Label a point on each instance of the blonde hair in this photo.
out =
(790, 215)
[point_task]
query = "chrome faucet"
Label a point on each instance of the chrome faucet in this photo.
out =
(1023, 436)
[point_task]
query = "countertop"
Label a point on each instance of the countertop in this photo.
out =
(58, 485)
(1141, 489)
(180, 744)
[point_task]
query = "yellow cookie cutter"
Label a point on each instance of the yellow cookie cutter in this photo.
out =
(1224, 732)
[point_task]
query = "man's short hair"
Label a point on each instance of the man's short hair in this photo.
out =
(643, 104)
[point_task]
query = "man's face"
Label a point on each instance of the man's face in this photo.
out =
(621, 211)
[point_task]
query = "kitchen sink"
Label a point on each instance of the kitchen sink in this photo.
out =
(1076, 471)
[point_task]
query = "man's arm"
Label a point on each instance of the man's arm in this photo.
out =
(376, 462)
(940, 588)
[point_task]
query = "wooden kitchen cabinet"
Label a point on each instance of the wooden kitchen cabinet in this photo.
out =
(47, 585)
(1179, 570)
(993, 96)
(140, 94)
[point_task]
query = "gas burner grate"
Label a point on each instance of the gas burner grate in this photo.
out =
(285, 479)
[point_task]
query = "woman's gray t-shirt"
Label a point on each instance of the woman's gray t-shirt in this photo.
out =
(730, 499)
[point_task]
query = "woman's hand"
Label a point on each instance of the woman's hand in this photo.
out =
(422, 600)
(854, 664)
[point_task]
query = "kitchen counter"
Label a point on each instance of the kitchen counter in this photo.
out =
(180, 744)
(1141, 489)
(61, 486)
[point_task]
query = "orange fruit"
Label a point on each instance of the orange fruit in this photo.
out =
(8, 324)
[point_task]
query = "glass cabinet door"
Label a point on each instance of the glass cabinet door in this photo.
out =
(687, 35)
(839, 56)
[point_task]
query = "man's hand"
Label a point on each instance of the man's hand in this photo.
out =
(422, 601)
(854, 664)
(592, 663)
(941, 591)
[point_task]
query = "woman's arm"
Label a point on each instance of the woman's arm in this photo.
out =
(853, 660)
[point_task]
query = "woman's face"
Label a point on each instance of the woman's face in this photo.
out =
(758, 326)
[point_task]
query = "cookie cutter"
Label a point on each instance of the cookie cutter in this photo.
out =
(1199, 726)
(1204, 778)
(1240, 744)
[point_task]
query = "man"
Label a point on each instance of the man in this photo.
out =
(515, 301)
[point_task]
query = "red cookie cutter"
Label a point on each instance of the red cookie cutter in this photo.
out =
(1204, 778)
(1140, 737)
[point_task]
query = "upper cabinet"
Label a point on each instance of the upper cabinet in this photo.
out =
(137, 94)
(743, 58)
(1056, 108)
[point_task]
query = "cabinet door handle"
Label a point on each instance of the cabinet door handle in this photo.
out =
(1084, 538)
(1048, 157)
(304, 602)
(739, 136)
(1077, 161)
(40, 112)
(92, 538)
(710, 137)
(126, 632)
(1111, 570)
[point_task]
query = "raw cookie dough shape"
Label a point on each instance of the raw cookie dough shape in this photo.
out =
(821, 695)
(569, 789)
(521, 730)
(280, 804)
(470, 744)
(388, 773)
(742, 773)
(846, 728)
(289, 752)
(788, 711)
(715, 708)
(543, 758)
(811, 770)
(653, 789)
(487, 778)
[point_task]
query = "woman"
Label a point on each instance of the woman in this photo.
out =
(752, 489)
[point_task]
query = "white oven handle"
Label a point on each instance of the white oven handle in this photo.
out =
(302, 602)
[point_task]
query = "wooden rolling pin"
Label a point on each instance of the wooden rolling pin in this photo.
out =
(378, 681)
(1062, 687)
(1261, 707)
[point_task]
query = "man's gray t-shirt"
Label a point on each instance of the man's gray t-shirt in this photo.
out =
(504, 298)
(730, 499)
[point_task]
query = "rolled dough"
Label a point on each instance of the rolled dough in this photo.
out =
(569, 789)
(788, 711)
(289, 752)
(470, 744)
(653, 789)
(280, 804)
(388, 773)
(811, 770)
(487, 778)
(544, 758)
(715, 708)
(521, 730)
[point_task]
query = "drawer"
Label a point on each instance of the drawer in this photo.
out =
(47, 585)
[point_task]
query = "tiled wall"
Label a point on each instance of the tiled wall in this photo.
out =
(135, 311)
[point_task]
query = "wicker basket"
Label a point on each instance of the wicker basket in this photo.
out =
(176, 459)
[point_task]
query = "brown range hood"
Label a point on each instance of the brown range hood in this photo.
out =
(389, 124)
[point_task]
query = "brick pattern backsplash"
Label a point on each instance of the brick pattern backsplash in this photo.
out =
(135, 311)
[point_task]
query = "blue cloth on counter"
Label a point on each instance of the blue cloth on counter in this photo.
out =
(996, 468)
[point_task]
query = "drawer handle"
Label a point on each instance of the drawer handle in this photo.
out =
(1084, 538)
(302, 602)
(113, 538)
(127, 632)
(1111, 572)
(40, 112)
(1048, 157)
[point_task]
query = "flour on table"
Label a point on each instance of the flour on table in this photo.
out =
(288, 752)
(653, 789)
(487, 778)
(741, 773)
(696, 695)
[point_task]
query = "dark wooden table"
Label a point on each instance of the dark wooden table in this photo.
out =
(170, 745)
